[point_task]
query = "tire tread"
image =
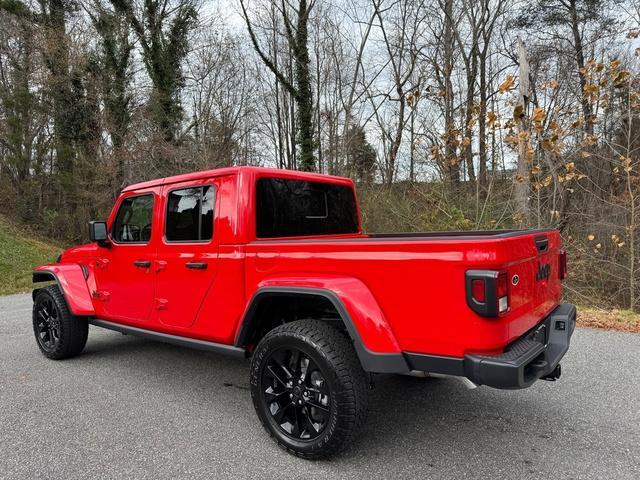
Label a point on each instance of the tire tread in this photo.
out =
(338, 350)
(73, 330)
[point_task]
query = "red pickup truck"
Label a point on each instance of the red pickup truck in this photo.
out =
(274, 265)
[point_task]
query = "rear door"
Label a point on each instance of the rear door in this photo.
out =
(187, 254)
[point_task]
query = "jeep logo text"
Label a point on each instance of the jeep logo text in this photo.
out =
(544, 271)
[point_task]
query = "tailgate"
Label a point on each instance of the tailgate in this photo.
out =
(533, 271)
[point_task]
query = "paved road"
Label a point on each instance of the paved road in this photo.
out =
(131, 408)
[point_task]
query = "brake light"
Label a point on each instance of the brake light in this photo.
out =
(487, 292)
(478, 289)
(562, 264)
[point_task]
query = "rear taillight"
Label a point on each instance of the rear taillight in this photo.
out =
(478, 289)
(562, 264)
(502, 292)
(487, 292)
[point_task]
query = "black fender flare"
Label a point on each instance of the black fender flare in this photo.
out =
(373, 362)
(44, 276)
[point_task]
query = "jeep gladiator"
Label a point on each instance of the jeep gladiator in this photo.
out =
(274, 265)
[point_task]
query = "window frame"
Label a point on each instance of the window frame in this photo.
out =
(115, 218)
(201, 186)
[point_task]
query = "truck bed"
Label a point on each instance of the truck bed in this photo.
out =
(419, 280)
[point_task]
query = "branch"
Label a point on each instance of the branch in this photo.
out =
(267, 61)
(126, 8)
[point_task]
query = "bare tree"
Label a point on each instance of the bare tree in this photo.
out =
(297, 35)
(400, 24)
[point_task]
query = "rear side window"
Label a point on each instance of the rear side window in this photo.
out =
(291, 208)
(190, 214)
(134, 220)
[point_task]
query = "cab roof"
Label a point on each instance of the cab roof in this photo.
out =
(256, 171)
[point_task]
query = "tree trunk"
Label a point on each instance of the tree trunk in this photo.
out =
(397, 140)
(468, 130)
(452, 165)
(587, 108)
(522, 173)
(304, 96)
(482, 125)
(58, 62)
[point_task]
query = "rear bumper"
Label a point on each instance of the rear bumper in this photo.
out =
(535, 355)
(531, 357)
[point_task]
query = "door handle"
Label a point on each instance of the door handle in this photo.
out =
(142, 263)
(196, 265)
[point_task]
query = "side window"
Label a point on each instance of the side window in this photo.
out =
(134, 220)
(190, 214)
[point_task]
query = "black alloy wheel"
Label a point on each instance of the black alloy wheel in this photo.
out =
(296, 393)
(47, 323)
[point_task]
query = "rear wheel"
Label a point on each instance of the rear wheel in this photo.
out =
(58, 333)
(308, 388)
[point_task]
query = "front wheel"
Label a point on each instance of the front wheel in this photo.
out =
(308, 388)
(59, 334)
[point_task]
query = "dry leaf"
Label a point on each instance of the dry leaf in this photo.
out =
(511, 139)
(538, 115)
(507, 85)
(518, 111)
(621, 78)
(591, 88)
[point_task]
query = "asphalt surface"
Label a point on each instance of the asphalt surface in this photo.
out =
(132, 408)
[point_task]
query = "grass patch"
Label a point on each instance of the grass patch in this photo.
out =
(620, 320)
(20, 252)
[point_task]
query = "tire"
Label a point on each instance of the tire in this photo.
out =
(59, 334)
(312, 402)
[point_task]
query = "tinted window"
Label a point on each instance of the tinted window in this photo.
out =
(134, 220)
(288, 208)
(190, 214)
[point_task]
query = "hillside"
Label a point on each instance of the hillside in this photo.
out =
(20, 251)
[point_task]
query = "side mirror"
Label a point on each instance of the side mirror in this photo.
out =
(98, 233)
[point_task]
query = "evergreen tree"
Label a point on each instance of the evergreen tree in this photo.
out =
(163, 36)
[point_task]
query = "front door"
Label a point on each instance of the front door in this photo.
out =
(187, 252)
(125, 280)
